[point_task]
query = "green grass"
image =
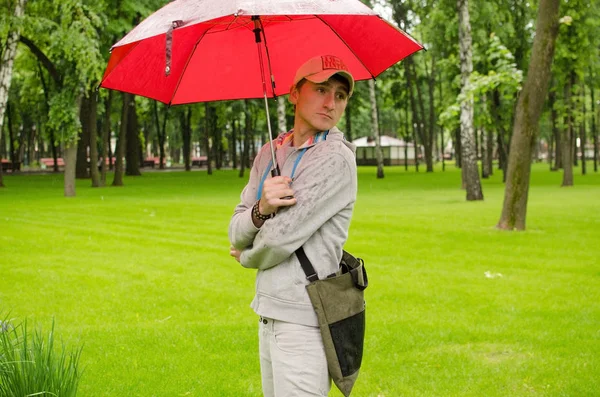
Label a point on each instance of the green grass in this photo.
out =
(32, 365)
(141, 277)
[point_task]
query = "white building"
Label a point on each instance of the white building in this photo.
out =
(394, 151)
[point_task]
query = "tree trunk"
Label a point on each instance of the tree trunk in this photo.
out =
(567, 135)
(31, 144)
(106, 128)
(186, 120)
(489, 150)
(217, 143)
(81, 168)
(469, 156)
(162, 140)
(161, 132)
(526, 124)
(458, 147)
(416, 148)
(24, 138)
(555, 156)
(420, 123)
(246, 139)
(93, 114)
(442, 147)
(121, 144)
(429, 145)
(70, 163)
(208, 110)
(413, 107)
(281, 125)
(443, 150)
(485, 164)
(70, 159)
(252, 150)
(406, 134)
(51, 132)
(133, 147)
(234, 143)
(583, 134)
(6, 67)
(348, 132)
(11, 134)
(375, 128)
(594, 132)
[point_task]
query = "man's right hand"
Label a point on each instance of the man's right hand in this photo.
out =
(276, 193)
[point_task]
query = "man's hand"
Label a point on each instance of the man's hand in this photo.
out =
(235, 253)
(274, 191)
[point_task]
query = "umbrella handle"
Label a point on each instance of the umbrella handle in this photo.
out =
(275, 172)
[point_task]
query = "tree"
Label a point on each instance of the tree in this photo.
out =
(106, 131)
(185, 120)
(6, 67)
(375, 129)
(133, 144)
(529, 109)
(281, 125)
(469, 155)
(121, 144)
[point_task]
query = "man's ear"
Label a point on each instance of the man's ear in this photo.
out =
(293, 97)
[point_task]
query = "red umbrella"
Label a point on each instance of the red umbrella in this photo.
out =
(207, 50)
(214, 52)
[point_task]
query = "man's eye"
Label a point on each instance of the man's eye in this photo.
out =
(341, 97)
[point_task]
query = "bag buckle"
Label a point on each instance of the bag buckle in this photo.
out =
(313, 277)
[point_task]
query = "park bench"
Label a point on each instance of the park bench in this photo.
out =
(7, 165)
(48, 162)
(201, 161)
(152, 162)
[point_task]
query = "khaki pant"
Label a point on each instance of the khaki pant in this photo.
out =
(292, 360)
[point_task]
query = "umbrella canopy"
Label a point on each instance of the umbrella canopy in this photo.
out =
(206, 50)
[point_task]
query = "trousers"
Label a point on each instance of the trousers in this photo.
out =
(292, 360)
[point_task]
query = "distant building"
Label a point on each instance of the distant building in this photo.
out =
(394, 151)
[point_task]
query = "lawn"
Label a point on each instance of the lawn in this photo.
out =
(140, 276)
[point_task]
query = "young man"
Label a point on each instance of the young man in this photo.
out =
(309, 205)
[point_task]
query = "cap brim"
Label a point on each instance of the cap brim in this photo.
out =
(323, 76)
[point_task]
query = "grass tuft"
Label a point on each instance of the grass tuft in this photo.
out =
(31, 364)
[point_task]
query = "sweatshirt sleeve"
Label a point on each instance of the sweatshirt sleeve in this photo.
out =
(241, 228)
(323, 189)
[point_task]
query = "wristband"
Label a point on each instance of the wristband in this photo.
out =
(257, 213)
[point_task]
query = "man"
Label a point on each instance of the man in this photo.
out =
(310, 205)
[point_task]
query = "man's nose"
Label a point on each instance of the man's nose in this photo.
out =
(329, 102)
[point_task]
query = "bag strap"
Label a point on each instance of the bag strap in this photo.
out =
(357, 269)
(309, 270)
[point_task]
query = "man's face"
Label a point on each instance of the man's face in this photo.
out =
(319, 106)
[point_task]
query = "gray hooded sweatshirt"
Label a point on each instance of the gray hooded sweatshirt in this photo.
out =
(324, 184)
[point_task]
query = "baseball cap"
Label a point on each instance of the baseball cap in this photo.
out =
(321, 68)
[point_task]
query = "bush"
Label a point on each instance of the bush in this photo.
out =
(31, 364)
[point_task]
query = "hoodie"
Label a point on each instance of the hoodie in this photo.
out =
(324, 184)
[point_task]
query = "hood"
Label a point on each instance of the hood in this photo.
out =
(336, 135)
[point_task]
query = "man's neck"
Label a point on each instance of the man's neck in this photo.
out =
(301, 135)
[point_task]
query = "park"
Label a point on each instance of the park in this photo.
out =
(477, 210)
(140, 277)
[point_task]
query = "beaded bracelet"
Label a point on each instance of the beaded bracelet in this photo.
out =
(257, 213)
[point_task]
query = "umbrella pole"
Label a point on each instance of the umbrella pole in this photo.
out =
(257, 31)
(275, 170)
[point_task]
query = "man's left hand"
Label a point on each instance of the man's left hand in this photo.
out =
(235, 253)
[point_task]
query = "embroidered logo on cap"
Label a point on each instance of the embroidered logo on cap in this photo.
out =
(333, 62)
